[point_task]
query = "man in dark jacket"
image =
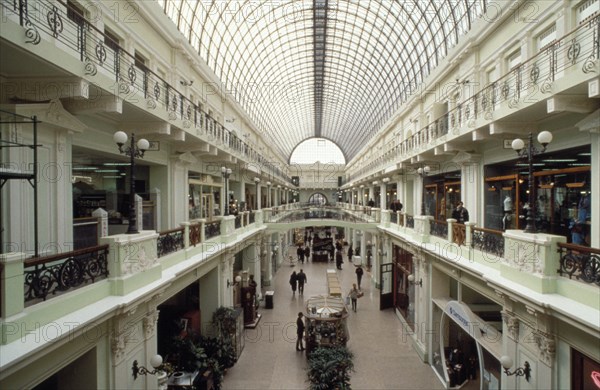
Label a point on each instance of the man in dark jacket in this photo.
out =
(301, 277)
(299, 332)
(359, 275)
(460, 213)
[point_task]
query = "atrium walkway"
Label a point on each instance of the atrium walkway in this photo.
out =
(383, 358)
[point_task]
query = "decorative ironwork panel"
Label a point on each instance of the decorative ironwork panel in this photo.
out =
(63, 272)
(459, 233)
(238, 221)
(489, 241)
(169, 242)
(212, 229)
(438, 228)
(195, 234)
(581, 262)
(252, 217)
(393, 217)
(410, 222)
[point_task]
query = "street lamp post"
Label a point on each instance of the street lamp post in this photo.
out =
(423, 171)
(544, 138)
(269, 194)
(257, 195)
(226, 172)
(133, 150)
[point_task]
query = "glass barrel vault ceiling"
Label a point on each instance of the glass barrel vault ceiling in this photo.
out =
(322, 68)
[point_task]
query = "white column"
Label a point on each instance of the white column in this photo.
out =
(243, 191)
(383, 197)
(418, 194)
(258, 196)
(179, 192)
(471, 186)
(595, 160)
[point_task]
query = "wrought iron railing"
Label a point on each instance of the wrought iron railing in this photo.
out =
(410, 221)
(212, 229)
(459, 234)
(238, 221)
(195, 234)
(580, 262)
(59, 22)
(488, 241)
(252, 217)
(169, 241)
(393, 217)
(534, 77)
(438, 228)
(62, 272)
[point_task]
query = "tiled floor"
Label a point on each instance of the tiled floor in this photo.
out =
(383, 359)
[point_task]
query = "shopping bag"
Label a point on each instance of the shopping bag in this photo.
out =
(360, 294)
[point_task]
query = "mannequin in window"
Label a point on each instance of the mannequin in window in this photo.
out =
(507, 212)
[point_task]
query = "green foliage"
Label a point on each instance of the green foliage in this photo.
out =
(224, 321)
(189, 356)
(330, 368)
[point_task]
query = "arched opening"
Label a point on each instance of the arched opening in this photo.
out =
(317, 149)
(317, 199)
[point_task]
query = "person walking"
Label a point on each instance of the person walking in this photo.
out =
(301, 277)
(354, 296)
(300, 253)
(359, 274)
(299, 332)
(350, 254)
(307, 253)
(294, 282)
(338, 259)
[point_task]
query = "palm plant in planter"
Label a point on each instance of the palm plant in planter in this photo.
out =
(330, 368)
(224, 320)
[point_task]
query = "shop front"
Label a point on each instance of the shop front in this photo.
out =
(403, 291)
(441, 195)
(204, 196)
(562, 193)
(466, 352)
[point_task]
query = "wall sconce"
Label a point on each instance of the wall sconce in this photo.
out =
(507, 363)
(238, 279)
(411, 280)
(156, 361)
(186, 83)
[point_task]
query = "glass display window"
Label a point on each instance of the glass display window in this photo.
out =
(501, 197)
(450, 200)
(431, 200)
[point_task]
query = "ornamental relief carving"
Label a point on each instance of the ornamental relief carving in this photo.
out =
(137, 260)
(149, 324)
(546, 347)
(512, 325)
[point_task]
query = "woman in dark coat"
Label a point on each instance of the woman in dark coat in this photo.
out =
(350, 253)
(294, 282)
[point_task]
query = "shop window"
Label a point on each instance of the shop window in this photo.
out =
(75, 13)
(546, 38)
(585, 372)
(513, 60)
(586, 10)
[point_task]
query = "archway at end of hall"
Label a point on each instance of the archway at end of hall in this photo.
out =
(317, 199)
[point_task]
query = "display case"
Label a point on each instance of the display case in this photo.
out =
(325, 322)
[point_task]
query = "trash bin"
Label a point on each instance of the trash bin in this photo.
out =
(269, 299)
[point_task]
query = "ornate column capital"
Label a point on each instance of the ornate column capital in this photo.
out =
(512, 324)
(546, 347)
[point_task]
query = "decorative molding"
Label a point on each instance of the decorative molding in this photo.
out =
(117, 346)
(149, 324)
(546, 347)
(512, 324)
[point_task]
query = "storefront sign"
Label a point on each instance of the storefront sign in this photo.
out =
(464, 317)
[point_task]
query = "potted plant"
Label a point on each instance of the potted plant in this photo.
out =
(330, 368)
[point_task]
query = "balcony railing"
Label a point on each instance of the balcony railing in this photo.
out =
(169, 241)
(410, 221)
(195, 233)
(488, 241)
(580, 262)
(252, 217)
(533, 77)
(438, 228)
(51, 275)
(58, 22)
(212, 229)
(459, 234)
(238, 221)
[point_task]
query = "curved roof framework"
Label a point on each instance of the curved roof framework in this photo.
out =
(322, 68)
